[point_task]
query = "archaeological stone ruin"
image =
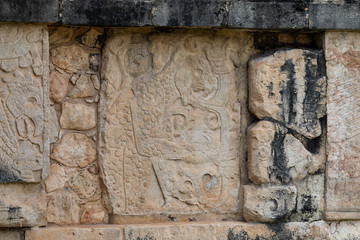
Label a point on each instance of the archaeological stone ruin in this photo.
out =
(179, 120)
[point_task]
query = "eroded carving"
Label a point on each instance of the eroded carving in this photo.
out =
(23, 102)
(170, 122)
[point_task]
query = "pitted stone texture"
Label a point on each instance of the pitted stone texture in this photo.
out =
(274, 156)
(343, 123)
(70, 58)
(75, 233)
(310, 199)
(77, 116)
(289, 86)
(62, 208)
(24, 111)
(58, 86)
(170, 121)
(268, 203)
(74, 150)
(22, 205)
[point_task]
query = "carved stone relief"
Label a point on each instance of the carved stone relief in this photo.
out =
(24, 143)
(170, 120)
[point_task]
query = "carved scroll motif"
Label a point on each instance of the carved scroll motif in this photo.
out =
(23, 98)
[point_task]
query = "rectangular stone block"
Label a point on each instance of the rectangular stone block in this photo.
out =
(24, 108)
(170, 121)
(11, 234)
(343, 123)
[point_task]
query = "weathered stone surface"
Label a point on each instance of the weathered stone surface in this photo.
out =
(62, 207)
(343, 123)
(84, 88)
(24, 135)
(345, 230)
(56, 179)
(58, 86)
(92, 38)
(75, 233)
(268, 203)
(289, 86)
(22, 205)
(93, 213)
(274, 156)
(77, 116)
(70, 58)
(75, 150)
(169, 128)
(11, 235)
(60, 35)
(310, 199)
(85, 184)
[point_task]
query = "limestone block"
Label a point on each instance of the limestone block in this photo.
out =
(170, 121)
(62, 207)
(289, 86)
(85, 185)
(310, 199)
(74, 150)
(77, 116)
(275, 156)
(75, 233)
(344, 230)
(10, 235)
(92, 38)
(58, 86)
(60, 34)
(70, 58)
(56, 179)
(268, 203)
(343, 123)
(24, 130)
(22, 205)
(93, 213)
(84, 88)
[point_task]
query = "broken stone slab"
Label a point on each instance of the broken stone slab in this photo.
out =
(275, 156)
(58, 86)
(289, 86)
(77, 116)
(84, 88)
(74, 150)
(70, 58)
(22, 205)
(268, 203)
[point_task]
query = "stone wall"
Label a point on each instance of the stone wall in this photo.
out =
(147, 133)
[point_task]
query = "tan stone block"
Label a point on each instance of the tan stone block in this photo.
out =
(274, 156)
(84, 88)
(24, 128)
(343, 124)
(99, 232)
(11, 235)
(169, 128)
(92, 38)
(74, 150)
(85, 185)
(62, 208)
(77, 116)
(22, 205)
(58, 86)
(60, 35)
(289, 86)
(268, 203)
(56, 179)
(70, 58)
(93, 213)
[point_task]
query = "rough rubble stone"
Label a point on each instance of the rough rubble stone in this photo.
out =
(58, 86)
(343, 124)
(60, 35)
(85, 184)
(70, 58)
(62, 208)
(77, 116)
(170, 121)
(310, 199)
(22, 205)
(75, 233)
(92, 38)
(74, 150)
(289, 86)
(93, 213)
(56, 179)
(84, 88)
(24, 128)
(268, 203)
(275, 156)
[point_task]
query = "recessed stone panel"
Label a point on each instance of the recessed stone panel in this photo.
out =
(170, 121)
(24, 110)
(343, 139)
